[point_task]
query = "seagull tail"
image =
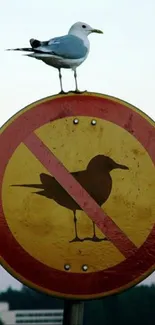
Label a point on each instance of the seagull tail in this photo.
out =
(25, 49)
(35, 42)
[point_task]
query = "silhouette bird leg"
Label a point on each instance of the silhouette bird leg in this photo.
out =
(75, 223)
(95, 238)
(94, 232)
(76, 234)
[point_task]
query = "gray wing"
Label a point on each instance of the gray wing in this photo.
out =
(69, 47)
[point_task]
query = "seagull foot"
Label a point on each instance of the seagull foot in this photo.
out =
(77, 91)
(62, 92)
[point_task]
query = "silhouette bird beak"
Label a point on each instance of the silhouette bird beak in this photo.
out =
(121, 166)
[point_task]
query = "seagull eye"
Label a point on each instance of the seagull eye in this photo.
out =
(83, 26)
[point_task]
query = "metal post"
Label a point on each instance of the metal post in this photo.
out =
(73, 312)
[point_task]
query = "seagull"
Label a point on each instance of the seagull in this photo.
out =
(95, 179)
(67, 51)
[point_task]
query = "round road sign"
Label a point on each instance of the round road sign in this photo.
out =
(77, 200)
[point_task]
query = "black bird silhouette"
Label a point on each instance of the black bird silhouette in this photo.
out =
(96, 180)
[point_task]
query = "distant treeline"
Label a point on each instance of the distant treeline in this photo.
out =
(133, 307)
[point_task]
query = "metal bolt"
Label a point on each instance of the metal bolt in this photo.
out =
(67, 267)
(84, 268)
(75, 121)
(93, 122)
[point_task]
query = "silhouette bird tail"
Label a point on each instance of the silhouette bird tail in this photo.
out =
(41, 186)
(42, 193)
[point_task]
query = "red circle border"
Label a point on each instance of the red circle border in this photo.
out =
(74, 284)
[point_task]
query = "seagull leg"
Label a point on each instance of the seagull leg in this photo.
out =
(60, 78)
(76, 84)
(77, 91)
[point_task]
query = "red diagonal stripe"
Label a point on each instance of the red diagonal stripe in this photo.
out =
(80, 195)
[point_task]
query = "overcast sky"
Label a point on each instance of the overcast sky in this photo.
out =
(121, 62)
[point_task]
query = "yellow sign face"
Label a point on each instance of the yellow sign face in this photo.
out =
(40, 224)
(49, 221)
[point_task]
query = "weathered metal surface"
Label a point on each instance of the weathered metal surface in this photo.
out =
(77, 208)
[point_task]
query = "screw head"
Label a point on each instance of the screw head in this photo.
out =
(84, 268)
(93, 122)
(67, 267)
(76, 121)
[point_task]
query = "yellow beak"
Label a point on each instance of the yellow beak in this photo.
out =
(97, 31)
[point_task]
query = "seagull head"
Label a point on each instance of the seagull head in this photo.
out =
(83, 29)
